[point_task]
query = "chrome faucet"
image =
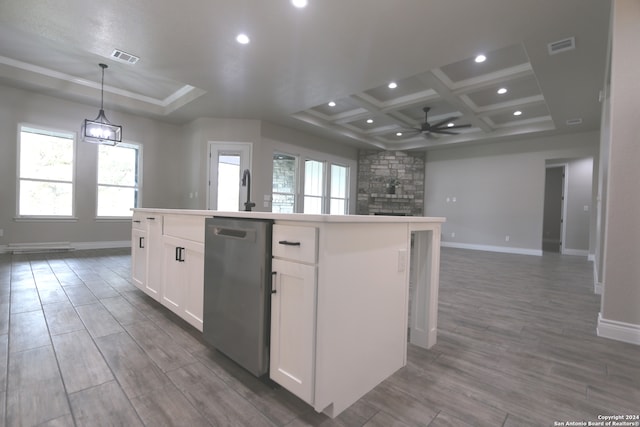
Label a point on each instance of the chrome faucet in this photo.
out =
(246, 182)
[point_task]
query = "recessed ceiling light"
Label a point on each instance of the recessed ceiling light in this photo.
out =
(398, 133)
(369, 120)
(450, 125)
(299, 3)
(502, 91)
(332, 104)
(242, 38)
(517, 113)
(480, 58)
(393, 85)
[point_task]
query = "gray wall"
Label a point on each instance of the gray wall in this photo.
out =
(499, 191)
(161, 180)
(266, 139)
(621, 269)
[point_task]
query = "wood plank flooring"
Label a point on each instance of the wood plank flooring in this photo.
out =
(81, 346)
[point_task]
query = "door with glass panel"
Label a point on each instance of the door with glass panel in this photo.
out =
(227, 161)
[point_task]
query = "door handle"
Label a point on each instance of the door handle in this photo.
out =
(177, 253)
(141, 243)
(288, 243)
(273, 275)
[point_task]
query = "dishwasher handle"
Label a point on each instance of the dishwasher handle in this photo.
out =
(235, 233)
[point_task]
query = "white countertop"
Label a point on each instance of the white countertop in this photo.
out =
(298, 216)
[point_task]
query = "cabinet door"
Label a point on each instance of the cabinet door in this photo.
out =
(194, 292)
(293, 314)
(183, 279)
(138, 257)
(154, 255)
(172, 278)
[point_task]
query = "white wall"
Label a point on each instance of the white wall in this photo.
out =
(499, 191)
(162, 157)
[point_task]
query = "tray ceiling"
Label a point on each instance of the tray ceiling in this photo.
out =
(301, 59)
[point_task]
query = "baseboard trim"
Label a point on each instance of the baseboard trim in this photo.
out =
(576, 252)
(619, 331)
(102, 245)
(56, 247)
(489, 248)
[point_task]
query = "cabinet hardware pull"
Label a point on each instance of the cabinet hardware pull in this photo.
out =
(177, 253)
(151, 218)
(137, 221)
(181, 255)
(141, 243)
(273, 274)
(288, 243)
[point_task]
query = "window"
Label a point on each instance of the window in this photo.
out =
(118, 179)
(284, 183)
(228, 182)
(338, 190)
(313, 187)
(324, 190)
(46, 172)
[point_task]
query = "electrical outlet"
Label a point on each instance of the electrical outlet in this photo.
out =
(507, 238)
(453, 234)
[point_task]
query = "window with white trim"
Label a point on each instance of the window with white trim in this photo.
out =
(338, 189)
(313, 187)
(45, 172)
(118, 180)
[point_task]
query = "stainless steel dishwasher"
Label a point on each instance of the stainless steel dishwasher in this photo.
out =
(237, 290)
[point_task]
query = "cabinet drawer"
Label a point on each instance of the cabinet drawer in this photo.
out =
(295, 243)
(185, 227)
(138, 222)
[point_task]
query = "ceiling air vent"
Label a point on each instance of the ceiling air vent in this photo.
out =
(121, 56)
(573, 122)
(561, 45)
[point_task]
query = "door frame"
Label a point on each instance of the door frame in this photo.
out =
(244, 149)
(565, 190)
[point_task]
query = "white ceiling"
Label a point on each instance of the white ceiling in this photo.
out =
(345, 51)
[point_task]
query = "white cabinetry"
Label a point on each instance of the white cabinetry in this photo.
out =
(138, 256)
(146, 235)
(183, 267)
(293, 309)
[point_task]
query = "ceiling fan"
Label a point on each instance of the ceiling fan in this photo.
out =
(441, 127)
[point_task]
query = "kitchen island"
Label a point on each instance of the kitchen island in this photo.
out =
(340, 316)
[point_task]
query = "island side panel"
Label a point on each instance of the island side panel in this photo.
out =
(425, 276)
(362, 310)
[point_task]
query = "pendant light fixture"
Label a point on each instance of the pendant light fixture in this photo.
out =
(100, 130)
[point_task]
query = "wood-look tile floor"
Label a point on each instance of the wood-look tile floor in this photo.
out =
(79, 345)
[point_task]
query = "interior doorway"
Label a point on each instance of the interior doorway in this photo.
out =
(554, 208)
(227, 161)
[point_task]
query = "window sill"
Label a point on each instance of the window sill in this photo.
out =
(113, 219)
(45, 219)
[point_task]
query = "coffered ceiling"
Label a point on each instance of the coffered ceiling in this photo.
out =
(299, 60)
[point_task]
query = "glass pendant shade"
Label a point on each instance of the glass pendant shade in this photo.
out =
(100, 130)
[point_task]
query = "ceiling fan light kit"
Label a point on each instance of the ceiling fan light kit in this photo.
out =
(100, 130)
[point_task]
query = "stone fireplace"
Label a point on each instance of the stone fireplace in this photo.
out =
(390, 183)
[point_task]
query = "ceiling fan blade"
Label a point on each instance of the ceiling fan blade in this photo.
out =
(443, 131)
(453, 127)
(441, 122)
